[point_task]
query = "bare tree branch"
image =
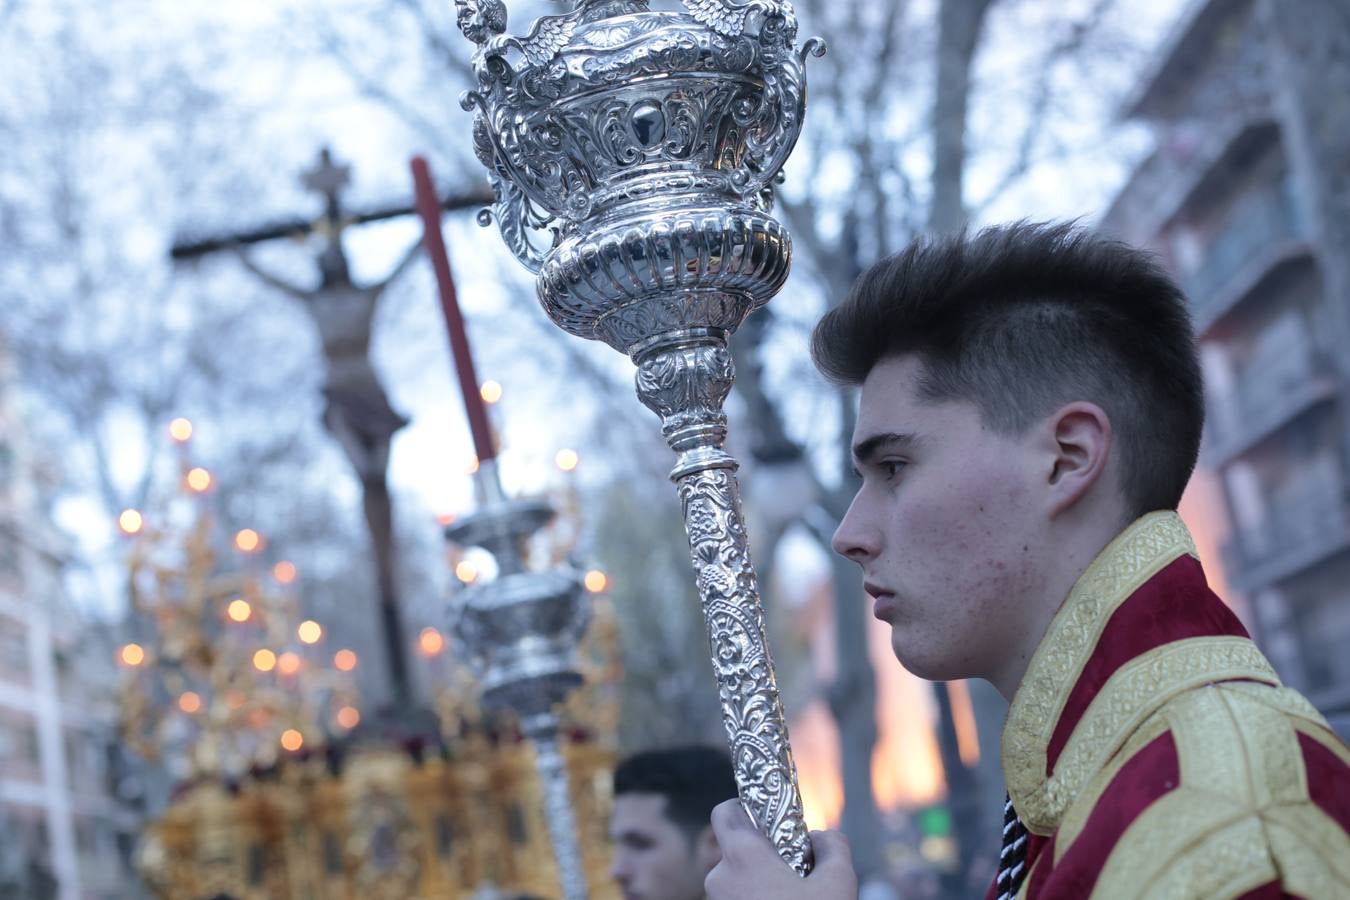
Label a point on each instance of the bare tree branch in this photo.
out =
(452, 55)
(1067, 47)
(376, 89)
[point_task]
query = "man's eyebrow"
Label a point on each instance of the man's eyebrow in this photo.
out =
(867, 448)
(630, 834)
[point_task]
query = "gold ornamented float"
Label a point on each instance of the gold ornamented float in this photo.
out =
(285, 791)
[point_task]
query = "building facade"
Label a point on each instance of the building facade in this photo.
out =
(1246, 198)
(62, 834)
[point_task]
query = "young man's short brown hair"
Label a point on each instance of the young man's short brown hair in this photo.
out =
(692, 779)
(1021, 319)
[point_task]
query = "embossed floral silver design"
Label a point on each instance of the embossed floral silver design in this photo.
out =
(633, 154)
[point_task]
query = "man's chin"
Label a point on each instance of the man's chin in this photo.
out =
(923, 665)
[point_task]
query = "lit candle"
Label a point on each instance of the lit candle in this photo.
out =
(429, 208)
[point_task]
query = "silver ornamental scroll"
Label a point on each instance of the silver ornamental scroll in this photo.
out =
(633, 154)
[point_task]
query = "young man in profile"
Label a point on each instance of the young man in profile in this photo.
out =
(663, 844)
(1030, 413)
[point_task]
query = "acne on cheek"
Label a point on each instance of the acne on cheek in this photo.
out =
(968, 514)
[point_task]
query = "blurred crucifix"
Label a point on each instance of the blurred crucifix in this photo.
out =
(357, 411)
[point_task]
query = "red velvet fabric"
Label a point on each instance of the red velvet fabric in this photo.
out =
(1171, 606)
(1151, 773)
(1328, 780)
(1271, 891)
(1040, 846)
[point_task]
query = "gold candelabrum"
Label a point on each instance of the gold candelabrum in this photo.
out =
(281, 791)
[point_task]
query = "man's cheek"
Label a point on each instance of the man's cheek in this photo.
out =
(926, 519)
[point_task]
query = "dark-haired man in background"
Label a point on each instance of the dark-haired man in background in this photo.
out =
(663, 844)
(1030, 413)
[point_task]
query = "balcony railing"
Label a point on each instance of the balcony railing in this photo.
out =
(1190, 156)
(1302, 530)
(1259, 229)
(1266, 399)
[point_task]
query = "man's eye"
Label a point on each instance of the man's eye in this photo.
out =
(891, 468)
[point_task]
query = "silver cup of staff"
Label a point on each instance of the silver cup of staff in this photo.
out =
(521, 632)
(633, 154)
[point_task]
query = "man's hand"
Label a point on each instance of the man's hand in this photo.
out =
(751, 869)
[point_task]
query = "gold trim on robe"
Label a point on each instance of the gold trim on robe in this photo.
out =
(1235, 813)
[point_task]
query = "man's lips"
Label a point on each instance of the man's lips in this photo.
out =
(884, 605)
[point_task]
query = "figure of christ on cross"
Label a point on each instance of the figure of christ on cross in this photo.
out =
(357, 410)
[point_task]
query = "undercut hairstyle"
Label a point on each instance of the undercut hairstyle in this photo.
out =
(692, 779)
(1022, 319)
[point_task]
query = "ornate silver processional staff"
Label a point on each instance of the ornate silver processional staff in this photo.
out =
(646, 144)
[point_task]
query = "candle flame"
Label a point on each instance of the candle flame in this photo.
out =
(247, 540)
(130, 521)
(132, 655)
(466, 571)
(309, 631)
(284, 572)
(430, 641)
(198, 479)
(567, 459)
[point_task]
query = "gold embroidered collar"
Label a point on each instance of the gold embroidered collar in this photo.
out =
(1128, 697)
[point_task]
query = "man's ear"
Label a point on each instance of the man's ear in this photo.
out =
(1077, 438)
(706, 852)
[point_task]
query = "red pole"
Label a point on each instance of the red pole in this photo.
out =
(429, 208)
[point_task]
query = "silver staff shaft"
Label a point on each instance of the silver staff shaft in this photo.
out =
(562, 827)
(685, 380)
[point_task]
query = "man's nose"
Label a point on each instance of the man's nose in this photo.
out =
(856, 537)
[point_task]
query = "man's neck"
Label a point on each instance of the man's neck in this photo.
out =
(1082, 544)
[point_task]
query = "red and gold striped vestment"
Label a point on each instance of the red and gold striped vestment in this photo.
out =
(1151, 750)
